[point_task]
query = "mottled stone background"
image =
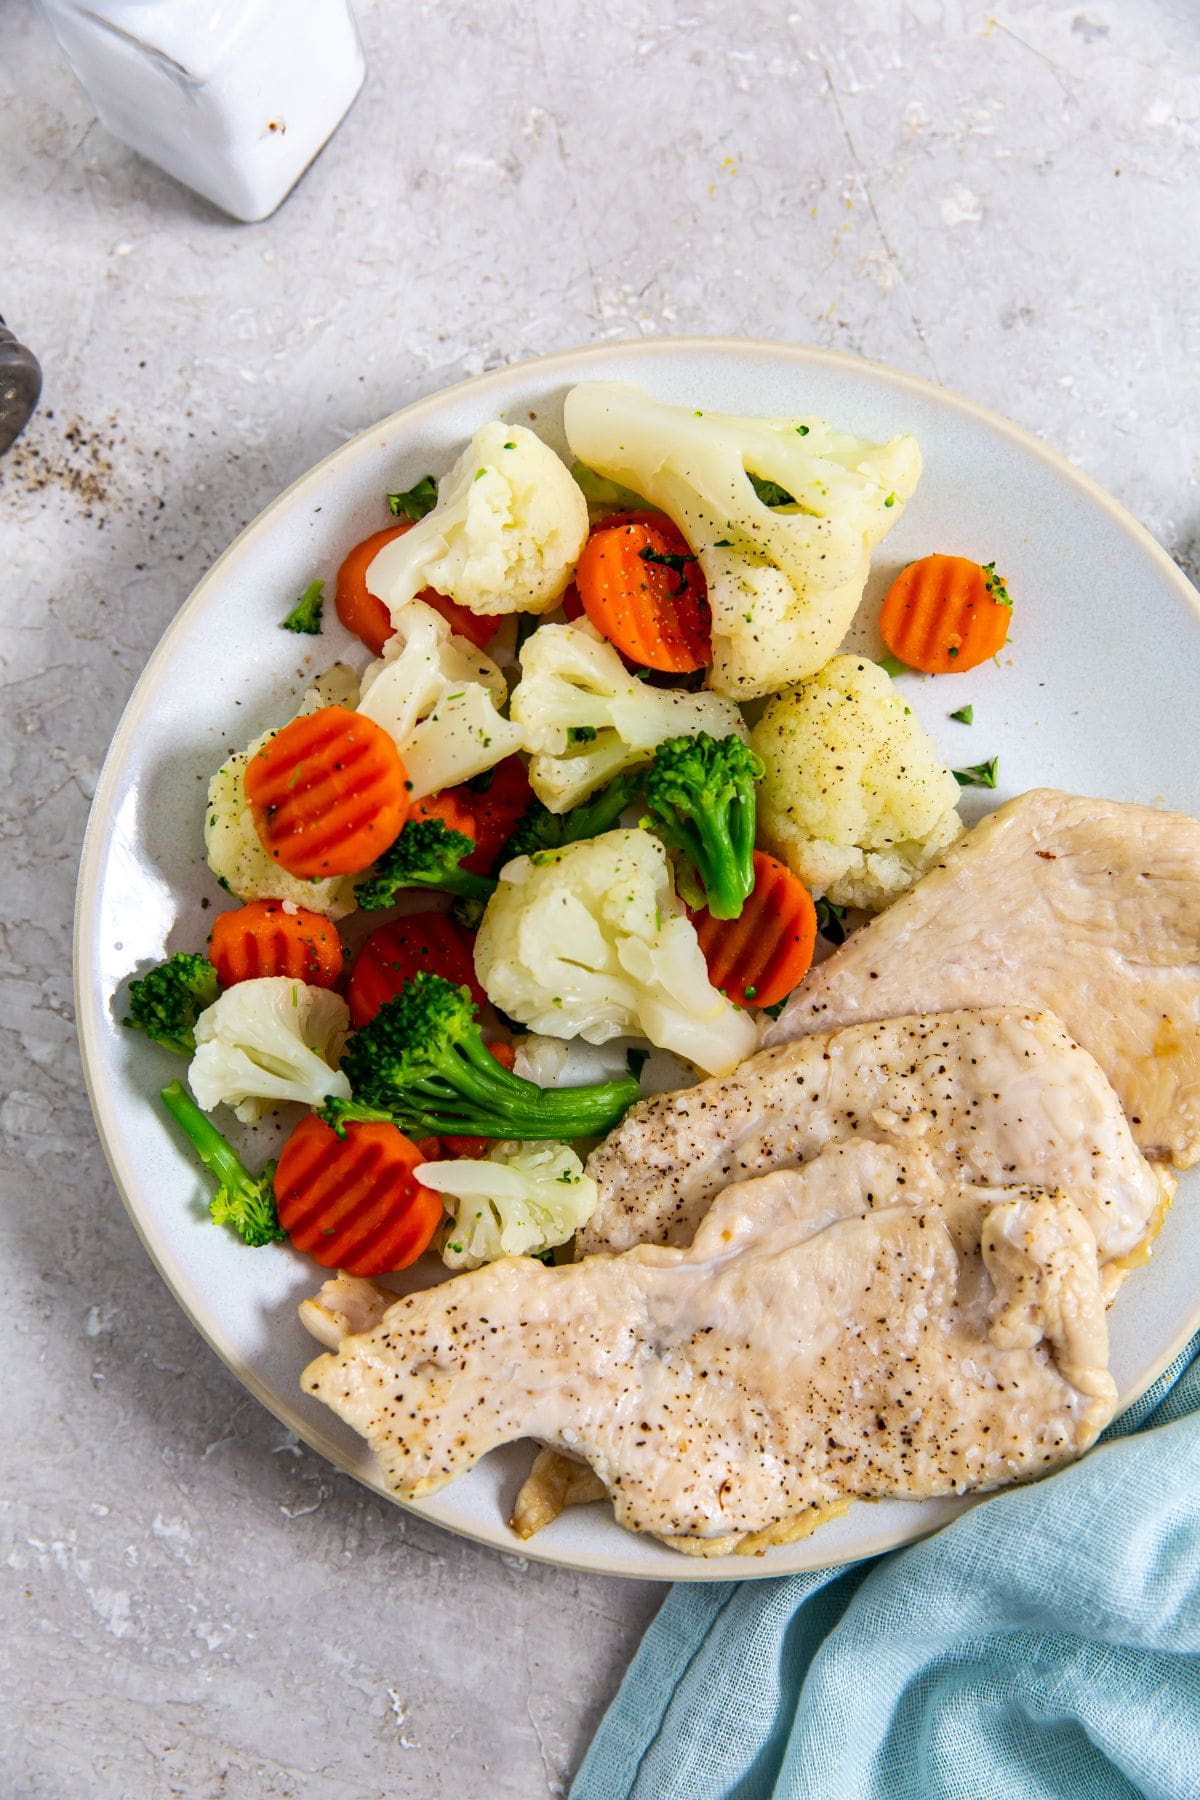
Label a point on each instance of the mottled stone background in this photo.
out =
(193, 1605)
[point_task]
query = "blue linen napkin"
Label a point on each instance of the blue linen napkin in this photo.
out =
(1044, 1644)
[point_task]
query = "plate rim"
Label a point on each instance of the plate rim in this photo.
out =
(87, 995)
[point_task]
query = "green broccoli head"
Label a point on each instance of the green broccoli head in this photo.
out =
(244, 1202)
(416, 501)
(427, 854)
(305, 616)
(701, 801)
(540, 829)
(166, 1002)
(422, 1062)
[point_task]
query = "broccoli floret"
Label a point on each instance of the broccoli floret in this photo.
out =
(422, 1063)
(427, 854)
(540, 829)
(244, 1202)
(166, 1002)
(416, 501)
(306, 614)
(700, 796)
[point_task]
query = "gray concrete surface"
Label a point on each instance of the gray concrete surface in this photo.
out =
(194, 1606)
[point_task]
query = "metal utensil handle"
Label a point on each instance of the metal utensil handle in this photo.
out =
(20, 385)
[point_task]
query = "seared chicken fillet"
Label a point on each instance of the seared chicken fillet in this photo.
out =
(1089, 908)
(998, 1096)
(858, 1327)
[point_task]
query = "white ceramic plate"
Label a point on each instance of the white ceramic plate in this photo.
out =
(1096, 694)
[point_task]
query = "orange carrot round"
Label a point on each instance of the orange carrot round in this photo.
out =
(486, 813)
(268, 938)
(368, 618)
(354, 1203)
(761, 955)
(945, 614)
(328, 793)
(450, 805)
(643, 589)
(495, 810)
(401, 949)
(359, 610)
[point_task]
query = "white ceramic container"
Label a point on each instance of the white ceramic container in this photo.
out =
(233, 98)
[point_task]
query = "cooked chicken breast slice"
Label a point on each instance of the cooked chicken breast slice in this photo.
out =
(1089, 908)
(343, 1306)
(1000, 1096)
(857, 1327)
(553, 1483)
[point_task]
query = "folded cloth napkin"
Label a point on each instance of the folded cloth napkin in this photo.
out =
(1044, 1644)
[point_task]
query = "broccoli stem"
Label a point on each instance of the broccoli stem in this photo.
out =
(701, 799)
(540, 829)
(592, 818)
(422, 1062)
(464, 883)
(520, 1107)
(720, 851)
(243, 1201)
(468, 1100)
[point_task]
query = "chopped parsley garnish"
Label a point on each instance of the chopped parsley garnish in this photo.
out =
(416, 501)
(996, 587)
(829, 921)
(670, 559)
(891, 665)
(978, 775)
(306, 614)
(965, 715)
(581, 734)
(802, 431)
(890, 501)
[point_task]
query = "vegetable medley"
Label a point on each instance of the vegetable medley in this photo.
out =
(604, 782)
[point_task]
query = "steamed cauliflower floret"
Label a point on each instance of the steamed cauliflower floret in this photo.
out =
(232, 845)
(572, 680)
(519, 1200)
(783, 581)
(590, 941)
(437, 696)
(854, 798)
(504, 536)
(267, 1040)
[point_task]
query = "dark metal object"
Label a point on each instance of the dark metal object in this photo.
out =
(20, 385)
